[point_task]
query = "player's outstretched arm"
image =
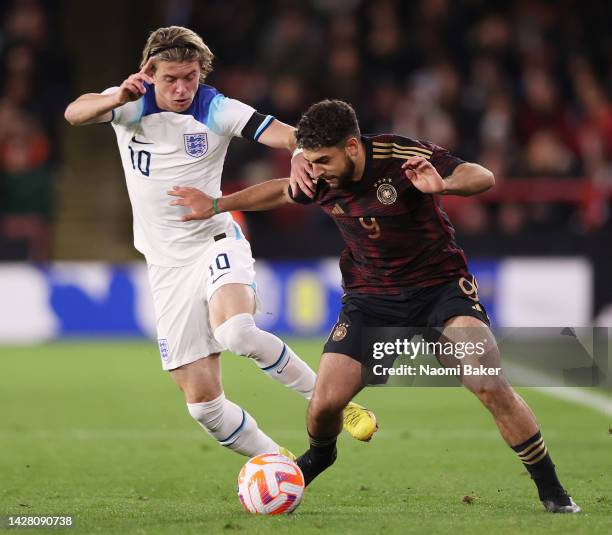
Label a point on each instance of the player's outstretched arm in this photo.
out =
(93, 108)
(467, 178)
(265, 196)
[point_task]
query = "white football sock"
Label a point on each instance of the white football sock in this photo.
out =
(240, 335)
(232, 426)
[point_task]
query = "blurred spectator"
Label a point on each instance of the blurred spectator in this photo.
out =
(34, 88)
(25, 183)
(522, 87)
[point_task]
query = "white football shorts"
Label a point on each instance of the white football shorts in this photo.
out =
(181, 294)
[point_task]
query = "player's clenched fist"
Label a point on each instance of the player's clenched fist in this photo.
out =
(423, 175)
(133, 86)
(201, 204)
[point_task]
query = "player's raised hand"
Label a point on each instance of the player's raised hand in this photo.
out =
(201, 204)
(423, 175)
(301, 176)
(133, 86)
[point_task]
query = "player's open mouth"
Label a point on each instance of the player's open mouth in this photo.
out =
(182, 101)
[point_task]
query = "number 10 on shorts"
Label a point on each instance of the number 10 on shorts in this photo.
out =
(219, 267)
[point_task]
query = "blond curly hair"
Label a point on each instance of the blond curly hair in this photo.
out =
(176, 43)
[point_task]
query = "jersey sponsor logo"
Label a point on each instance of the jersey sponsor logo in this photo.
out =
(196, 145)
(385, 191)
(340, 332)
(164, 349)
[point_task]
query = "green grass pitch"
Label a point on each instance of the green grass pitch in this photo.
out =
(98, 431)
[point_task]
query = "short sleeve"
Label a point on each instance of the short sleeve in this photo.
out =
(300, 197)
(228, 116)
(443, 160)
(127, 114)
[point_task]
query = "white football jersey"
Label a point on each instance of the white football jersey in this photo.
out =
(161, 149)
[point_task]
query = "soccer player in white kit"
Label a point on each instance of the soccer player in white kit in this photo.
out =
(171, 130)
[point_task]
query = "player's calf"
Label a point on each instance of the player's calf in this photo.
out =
(325, 415)
(339, 380)
(324, 425)
(240, 335)
(231, 426)
(519, 428)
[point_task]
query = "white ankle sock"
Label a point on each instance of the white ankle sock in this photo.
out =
(232, 426)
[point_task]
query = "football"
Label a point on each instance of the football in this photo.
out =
(270, 484)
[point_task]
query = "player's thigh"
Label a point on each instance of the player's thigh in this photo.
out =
(200, 380)
(339, 379)
(230, 285)
(477, 353)
(182, 315)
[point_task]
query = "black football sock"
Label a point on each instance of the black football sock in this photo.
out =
(321, 455)
(534, 456)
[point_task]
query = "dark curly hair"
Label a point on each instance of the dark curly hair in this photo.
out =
(328, 123)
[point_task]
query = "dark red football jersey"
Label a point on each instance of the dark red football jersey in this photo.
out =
(395, 235)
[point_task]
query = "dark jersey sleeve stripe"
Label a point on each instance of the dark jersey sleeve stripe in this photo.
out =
(301, 197)
(256, 125)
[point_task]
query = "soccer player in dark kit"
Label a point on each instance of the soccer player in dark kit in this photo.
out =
(401, 267)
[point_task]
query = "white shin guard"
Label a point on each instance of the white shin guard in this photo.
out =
(232, 426)
(240, 335)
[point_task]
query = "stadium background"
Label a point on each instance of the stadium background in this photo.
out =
(522, 87)
(90, 426)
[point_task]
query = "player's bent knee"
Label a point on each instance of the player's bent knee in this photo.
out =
(238, 334)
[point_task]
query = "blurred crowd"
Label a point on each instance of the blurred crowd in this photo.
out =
(522, 87)
(34, 88)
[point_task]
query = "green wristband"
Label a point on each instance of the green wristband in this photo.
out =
(215, 206)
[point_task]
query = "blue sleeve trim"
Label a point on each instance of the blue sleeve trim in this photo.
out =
(267, 122)
(239, 235)
(209, 108)
(207, 97)
(149, 105)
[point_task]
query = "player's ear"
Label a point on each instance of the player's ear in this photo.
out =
(352, 146)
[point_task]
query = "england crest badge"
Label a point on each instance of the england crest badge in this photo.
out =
(196, 145)
(164, 350)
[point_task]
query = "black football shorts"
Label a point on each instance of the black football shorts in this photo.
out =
(424, 308)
